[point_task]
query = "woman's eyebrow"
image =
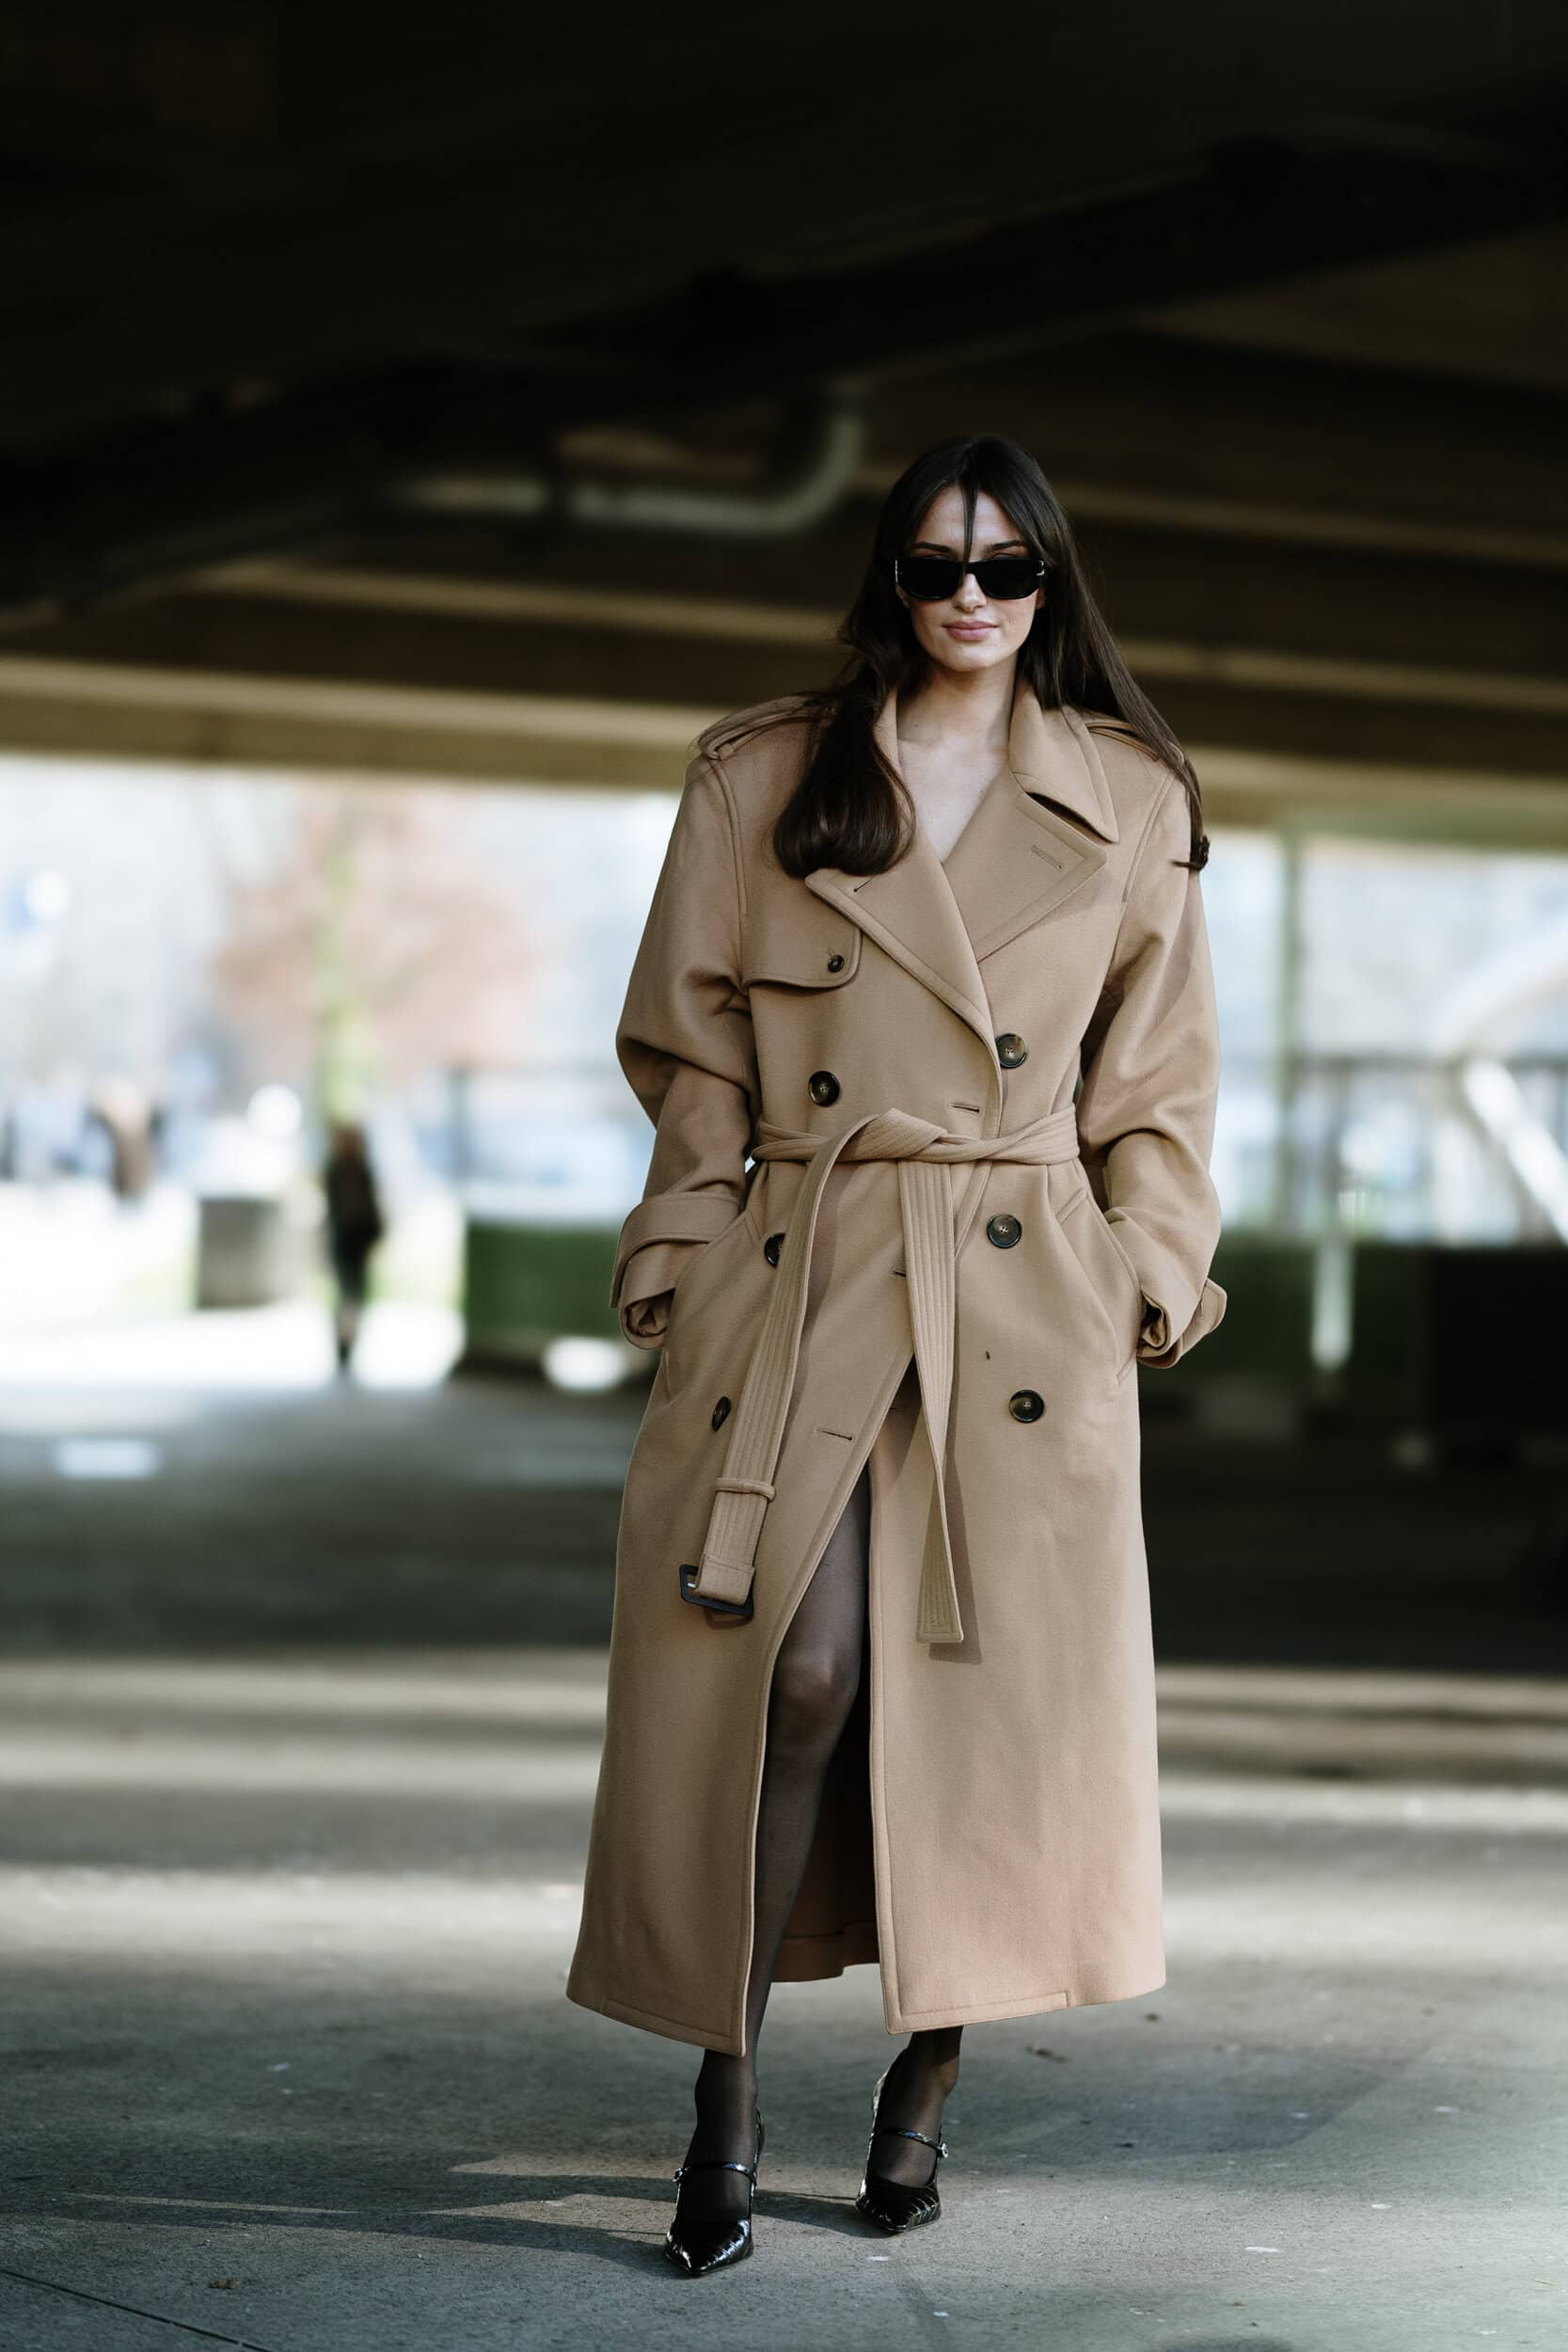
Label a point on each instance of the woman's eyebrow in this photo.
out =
(941, 547)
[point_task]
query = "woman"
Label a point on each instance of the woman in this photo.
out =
(929, 947)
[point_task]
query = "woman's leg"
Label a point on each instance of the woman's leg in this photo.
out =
(350, 1270)
(916, 2091)
(816, 1679)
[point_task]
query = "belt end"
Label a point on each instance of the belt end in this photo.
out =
(938, 1629)
(717, 1611)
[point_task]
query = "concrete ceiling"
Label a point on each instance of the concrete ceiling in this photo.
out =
(1277, 298)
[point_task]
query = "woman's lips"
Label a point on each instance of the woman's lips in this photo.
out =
(969, 630)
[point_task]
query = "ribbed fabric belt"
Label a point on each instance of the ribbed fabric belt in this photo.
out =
(926, 1153)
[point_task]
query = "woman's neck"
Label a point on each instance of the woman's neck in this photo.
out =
(972, 712)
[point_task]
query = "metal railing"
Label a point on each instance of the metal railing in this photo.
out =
(1470, 1148)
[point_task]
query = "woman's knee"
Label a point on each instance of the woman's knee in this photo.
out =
(814, 1690)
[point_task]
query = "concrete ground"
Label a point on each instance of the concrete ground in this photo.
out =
(298, 1723)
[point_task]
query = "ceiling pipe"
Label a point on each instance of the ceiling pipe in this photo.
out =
(834, 444)
(267, 491)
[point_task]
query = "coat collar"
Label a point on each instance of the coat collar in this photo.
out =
(1015, 861)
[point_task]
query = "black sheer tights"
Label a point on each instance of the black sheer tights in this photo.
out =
(816, 1677)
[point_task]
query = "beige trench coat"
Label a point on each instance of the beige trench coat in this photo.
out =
(973, 1295)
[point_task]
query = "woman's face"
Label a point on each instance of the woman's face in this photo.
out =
(968, 631)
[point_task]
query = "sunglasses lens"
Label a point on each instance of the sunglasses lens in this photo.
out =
(929, 577)
(1008, 577)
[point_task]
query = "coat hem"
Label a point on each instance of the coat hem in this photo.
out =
(1026, 2005)
(673, 2029)
(897, 2021)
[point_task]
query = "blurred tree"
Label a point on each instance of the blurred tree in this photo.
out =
(372, 946)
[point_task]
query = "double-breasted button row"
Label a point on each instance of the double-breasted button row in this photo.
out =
(823, 1087)
(1005, 1231)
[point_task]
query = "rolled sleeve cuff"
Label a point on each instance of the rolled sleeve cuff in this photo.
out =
(1156, 1347)
(644, 1287)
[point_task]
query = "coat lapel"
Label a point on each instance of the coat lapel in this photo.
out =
(909, 909)
(1012, 863)
(1017, 860)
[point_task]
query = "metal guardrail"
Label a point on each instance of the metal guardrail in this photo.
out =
(1466, 1148)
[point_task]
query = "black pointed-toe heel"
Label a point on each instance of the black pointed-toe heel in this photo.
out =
(893, 2205)
(699, 2246)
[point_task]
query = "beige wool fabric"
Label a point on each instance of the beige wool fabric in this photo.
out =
(883, 1219)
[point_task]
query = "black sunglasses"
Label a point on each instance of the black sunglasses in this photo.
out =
(932, 579)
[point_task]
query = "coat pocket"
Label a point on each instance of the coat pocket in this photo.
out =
(1109, 1273)
(697, 1299)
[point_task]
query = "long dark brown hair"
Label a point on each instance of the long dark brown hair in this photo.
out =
(850, 808)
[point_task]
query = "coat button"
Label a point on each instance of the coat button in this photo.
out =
(1003, 1232)
(771, 1247)
(720, 1411)
(1027, 1404)
(822, 1086)
(835, 963)
(1010, 1049)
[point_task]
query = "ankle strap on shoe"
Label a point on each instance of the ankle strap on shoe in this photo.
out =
(925, 2138)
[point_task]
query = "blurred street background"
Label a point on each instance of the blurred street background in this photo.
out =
(414, 429)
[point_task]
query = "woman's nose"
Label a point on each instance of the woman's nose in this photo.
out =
(968, 593)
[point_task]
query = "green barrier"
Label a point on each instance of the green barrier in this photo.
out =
(1461, 1340)
(524, 1285)
(1268, 1312)
(1440, 1336)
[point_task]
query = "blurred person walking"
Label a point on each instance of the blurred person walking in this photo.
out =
(131, 1124)
(922, 1015)
(354, 1226)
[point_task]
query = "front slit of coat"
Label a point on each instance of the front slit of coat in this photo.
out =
(861, 1454)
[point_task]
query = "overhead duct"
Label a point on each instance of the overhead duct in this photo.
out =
(806, 492)
(288, 483)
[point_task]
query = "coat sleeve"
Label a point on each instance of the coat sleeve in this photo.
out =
(685, 1044)
(1151, 1074)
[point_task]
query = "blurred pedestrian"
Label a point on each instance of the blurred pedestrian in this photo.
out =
(354, 1226)
(128, 1117)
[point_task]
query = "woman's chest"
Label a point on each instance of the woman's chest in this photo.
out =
(897, 1005)
(946, 788)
